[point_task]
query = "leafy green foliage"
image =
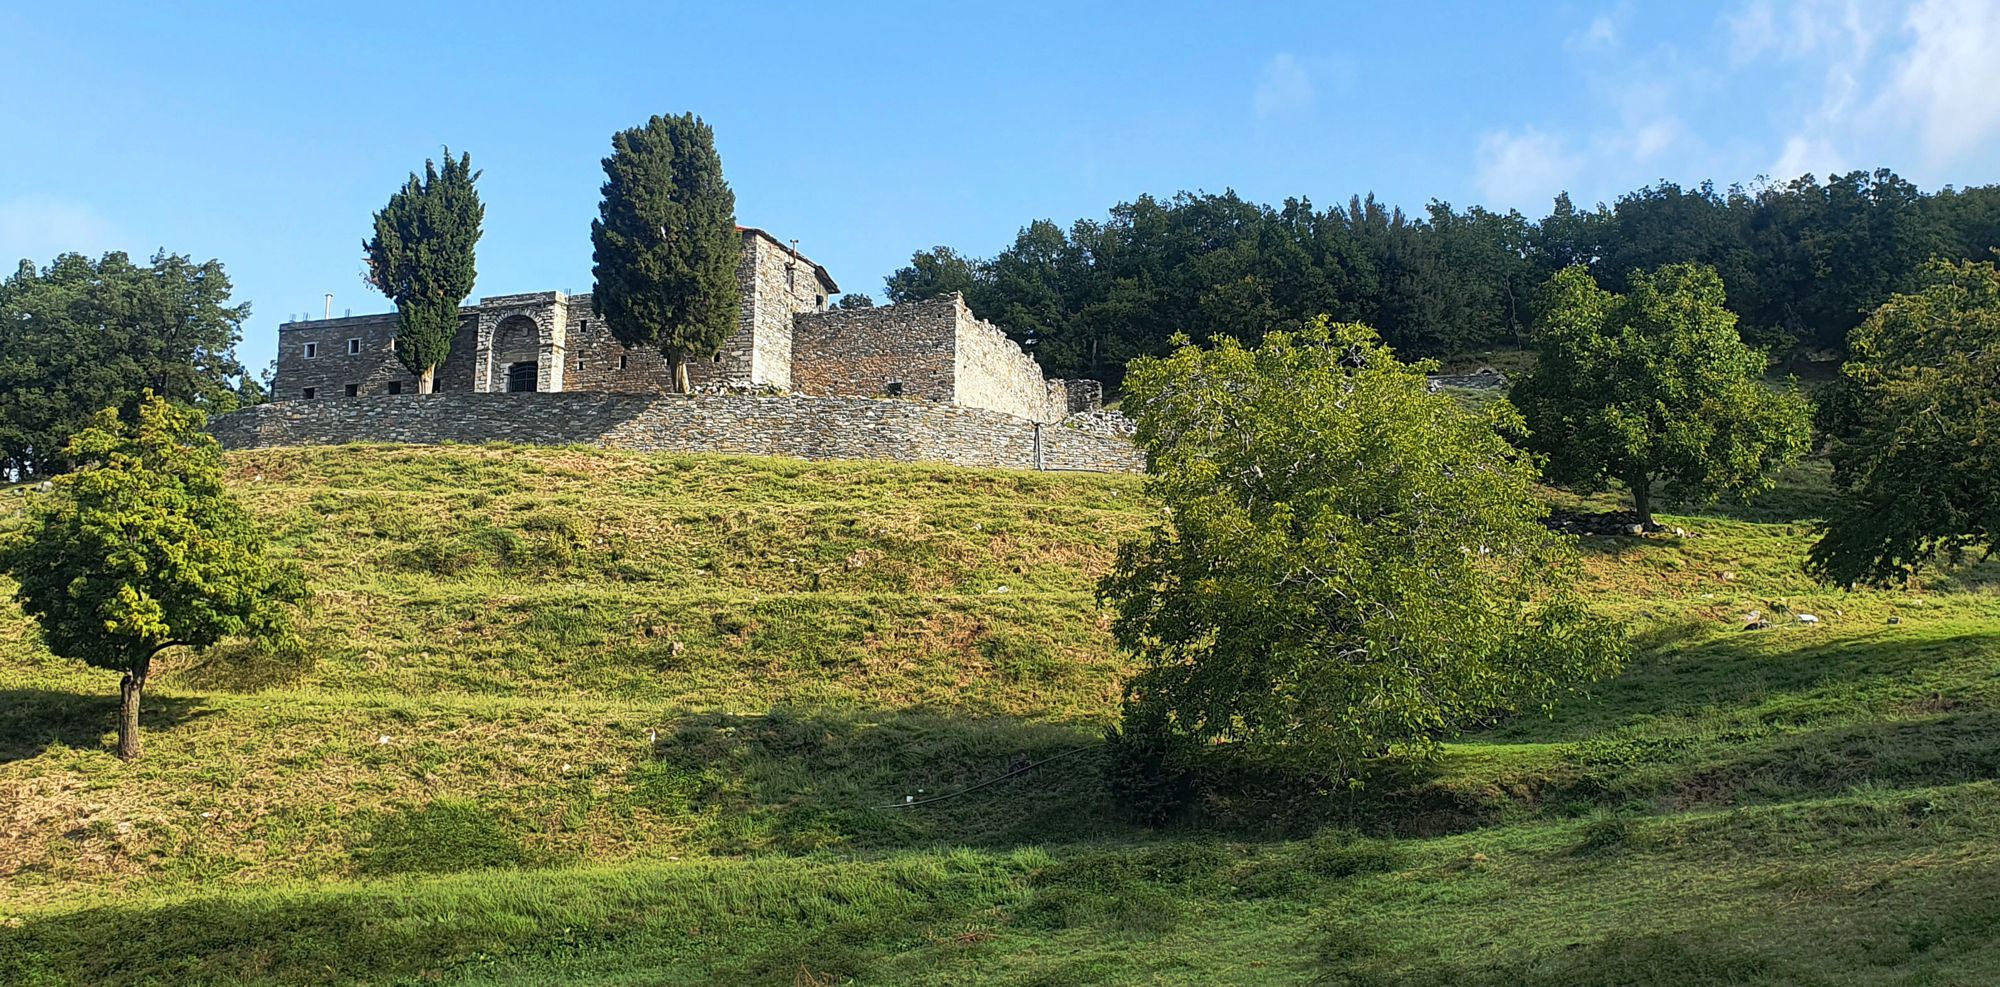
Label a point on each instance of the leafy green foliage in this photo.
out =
(933, 272)
(82, 335)
(665, 242)
(1349, 564)
(1801, 261)
(1913, 429)
(1654, 385)
(142, 549)
(422, 256)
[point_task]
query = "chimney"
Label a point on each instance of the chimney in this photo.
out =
(329, 304)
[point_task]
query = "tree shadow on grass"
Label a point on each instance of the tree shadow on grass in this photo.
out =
(802, 782)
(799, 781)
(33, 720)
(1928, 929)
(1782, 675)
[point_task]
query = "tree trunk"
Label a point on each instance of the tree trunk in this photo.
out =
(128, 712)
(680, 364)
(427, 380)
(1642, 499)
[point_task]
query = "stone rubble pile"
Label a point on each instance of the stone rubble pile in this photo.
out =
(1485, 378)
(1099, 422)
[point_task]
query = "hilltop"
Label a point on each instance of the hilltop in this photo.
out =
(568, 715)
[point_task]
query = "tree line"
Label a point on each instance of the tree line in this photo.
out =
(81, 335)
(1801, 263)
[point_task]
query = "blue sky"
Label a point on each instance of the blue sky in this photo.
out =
(266, 134)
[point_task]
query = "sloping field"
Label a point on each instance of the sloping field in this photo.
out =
(568, 716)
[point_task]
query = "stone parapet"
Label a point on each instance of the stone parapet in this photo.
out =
(803, 427)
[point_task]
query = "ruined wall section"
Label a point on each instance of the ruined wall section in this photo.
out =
(808, 428)
(993, 372)
(873, 352)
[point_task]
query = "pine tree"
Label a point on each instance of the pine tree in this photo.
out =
(665, 243)
(422, 258)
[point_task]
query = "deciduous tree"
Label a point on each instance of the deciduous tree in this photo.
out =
(140, 549)
(1654, 385)
(82, 335)
(1913, 430)
(1347, 565)
(422, 256)
(665, 243)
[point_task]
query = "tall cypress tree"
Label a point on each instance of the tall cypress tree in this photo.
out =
(422, 258)
(665, 244)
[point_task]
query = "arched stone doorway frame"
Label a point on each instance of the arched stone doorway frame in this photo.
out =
(518, 329)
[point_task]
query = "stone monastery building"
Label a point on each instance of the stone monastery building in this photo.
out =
(787, 341)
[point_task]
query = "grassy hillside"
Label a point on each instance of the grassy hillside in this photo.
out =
(569, 716)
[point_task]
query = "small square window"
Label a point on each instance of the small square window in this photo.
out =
(894, 389)
(621, 363)
(312, 350)
(354, 347)
(718, 358)
(354, 390)
(311, 392)
(579, 364)
(395, 387)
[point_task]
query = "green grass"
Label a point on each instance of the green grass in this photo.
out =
(569, 716)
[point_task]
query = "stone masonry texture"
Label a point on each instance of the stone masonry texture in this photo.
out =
(925, 380)
(906, 430)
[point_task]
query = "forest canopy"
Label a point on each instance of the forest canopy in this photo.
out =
(1801, 262)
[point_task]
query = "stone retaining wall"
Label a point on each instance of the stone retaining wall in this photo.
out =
(804, 427)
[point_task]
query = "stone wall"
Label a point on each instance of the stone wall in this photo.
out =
(332, 368)
(568, 343)
(1075, 394)
(805, 427)
(598, 362)
(993, 372)
(862, 352)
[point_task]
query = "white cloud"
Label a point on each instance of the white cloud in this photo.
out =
(38, 227)
(1805, 155)
(1283, 88)
(1525, 169)
(1795, 29)
(1648, 140)
(1600, 35)
(1949, 78)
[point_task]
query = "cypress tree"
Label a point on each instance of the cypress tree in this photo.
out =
(421, 256)
(665, 245)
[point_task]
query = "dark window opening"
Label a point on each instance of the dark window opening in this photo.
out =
(718, 358)
(579, 364)
(621, 363)
(395, 387)
(521, 376)
(894, 389)
(354, 390)
(312, 350)
(353, 347)
(312, 392)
